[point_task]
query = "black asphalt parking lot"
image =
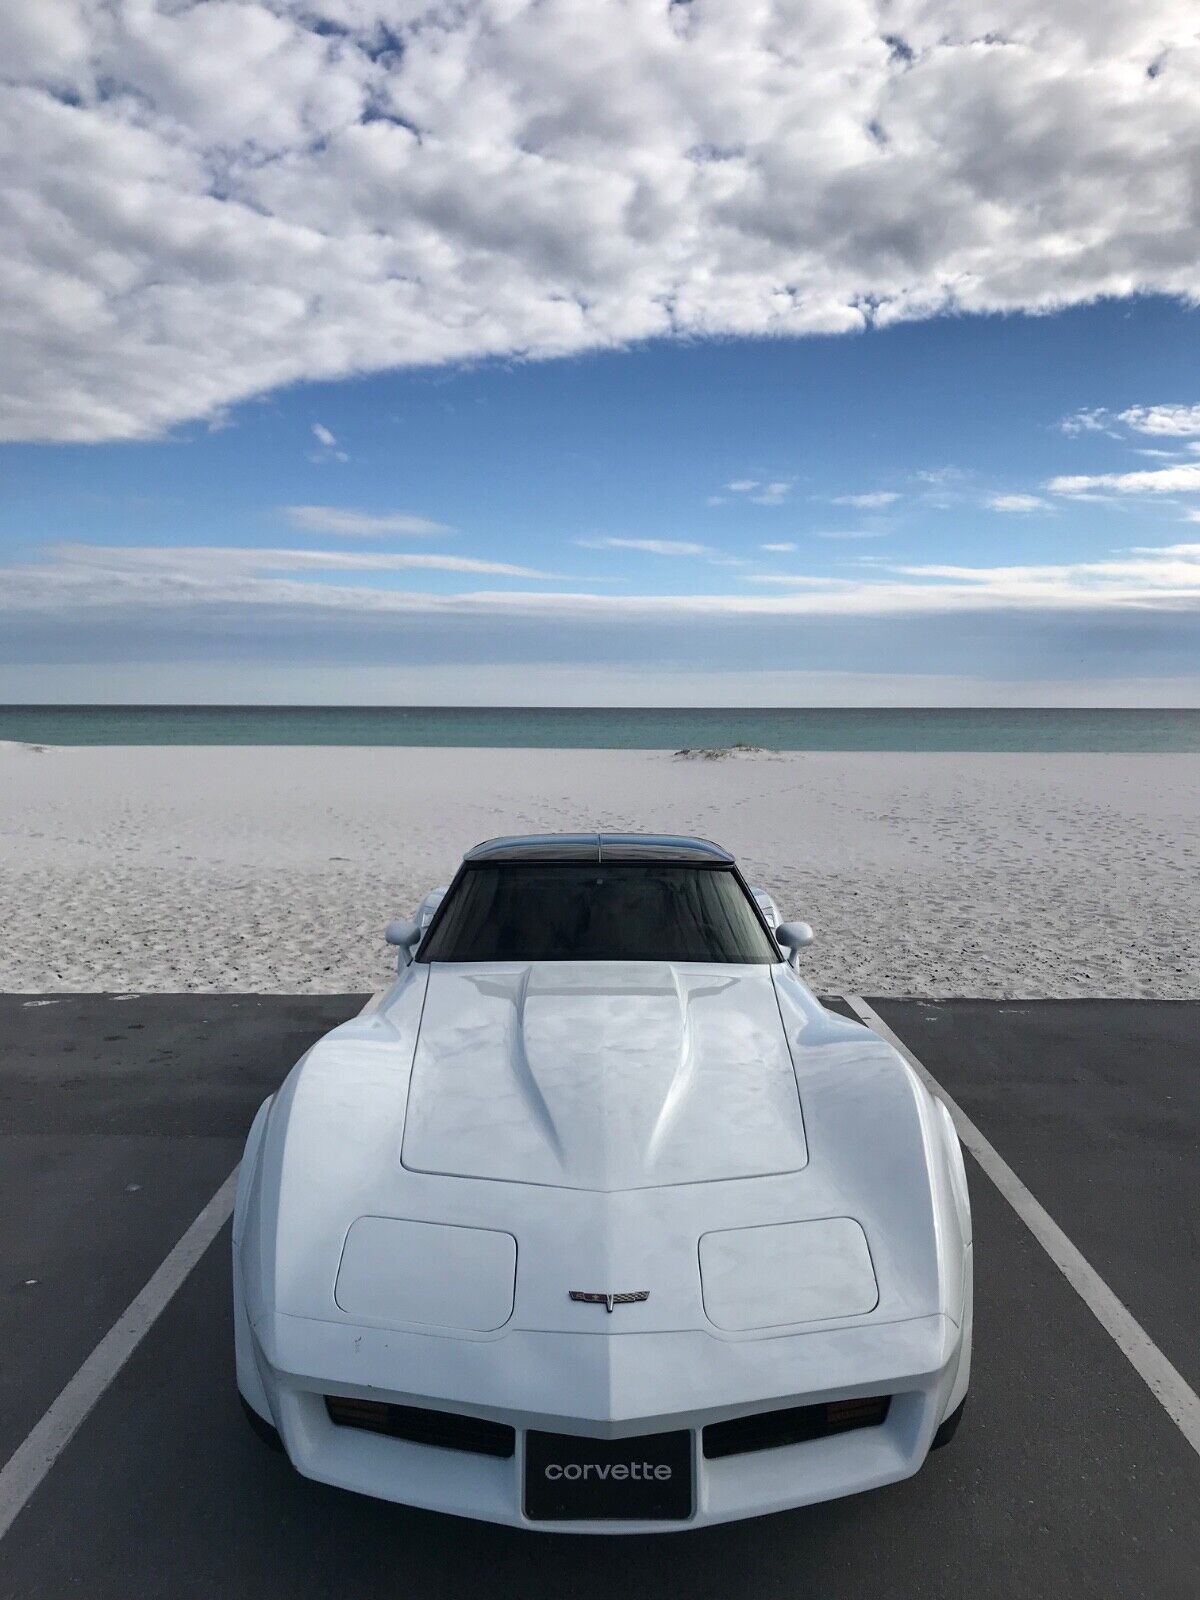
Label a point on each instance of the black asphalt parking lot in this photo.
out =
(120, 1117)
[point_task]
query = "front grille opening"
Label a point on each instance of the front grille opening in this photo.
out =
(768, 1430)
(445, 1429)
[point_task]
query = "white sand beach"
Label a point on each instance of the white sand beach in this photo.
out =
(275, 869)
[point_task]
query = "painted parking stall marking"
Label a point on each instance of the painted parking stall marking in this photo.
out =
(45, 1442)
(1168, 1386)
(40, 1449)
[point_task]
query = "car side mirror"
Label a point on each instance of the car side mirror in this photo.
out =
(405, 936)
(794, 937)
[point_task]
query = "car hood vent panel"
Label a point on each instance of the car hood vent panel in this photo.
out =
(603, 1076)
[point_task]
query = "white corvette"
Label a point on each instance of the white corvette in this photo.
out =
(599, 1221)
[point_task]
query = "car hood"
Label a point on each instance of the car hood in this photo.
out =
(574, 1124)
(602, 1075)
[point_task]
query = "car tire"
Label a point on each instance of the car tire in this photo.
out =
(949, 1427)
(265, 1431)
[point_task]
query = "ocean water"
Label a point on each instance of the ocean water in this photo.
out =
(812, 728)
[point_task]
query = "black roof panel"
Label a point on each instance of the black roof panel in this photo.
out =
(601, 847)
(662, 847)
(538, 847)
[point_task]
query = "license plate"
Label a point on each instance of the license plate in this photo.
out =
(574, 1479)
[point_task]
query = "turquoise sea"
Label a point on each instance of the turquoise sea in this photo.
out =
(812, 728)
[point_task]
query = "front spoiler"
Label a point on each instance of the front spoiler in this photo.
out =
(606, 1386)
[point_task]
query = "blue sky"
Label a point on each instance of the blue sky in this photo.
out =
(668, 470)
(392, 362)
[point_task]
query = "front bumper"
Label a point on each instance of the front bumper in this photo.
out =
(604, 1387)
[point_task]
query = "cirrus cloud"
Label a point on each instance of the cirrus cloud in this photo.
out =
(186, 564)
(773, 492)
(360, 524)
(1017, 502)
(126, 581)
(206, 201)
(648, 547)
(873, 501)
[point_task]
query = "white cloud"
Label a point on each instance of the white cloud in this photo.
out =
(867, 502)
(771, 493)
(1173, 421)
(1169, 573)
(1017, 502)
(1166, 577)
(360, 524)
(942, 488)
(121, 584)
(853, 533)
(649, 547)
(801, 581)
(779, 549)
(1152, 480)
(1095, 420)
(190, 561)
(207, 201)
(1164, 421)
(329, 450)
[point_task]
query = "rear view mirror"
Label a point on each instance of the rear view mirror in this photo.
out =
(794, 937)
(405, 936)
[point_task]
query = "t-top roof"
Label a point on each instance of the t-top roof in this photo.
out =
(600, 847)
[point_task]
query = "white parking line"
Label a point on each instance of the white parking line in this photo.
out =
(41, 1448)
(49, 1437)
(1168, 1386)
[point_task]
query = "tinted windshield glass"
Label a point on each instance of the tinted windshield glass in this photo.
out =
(577, 912)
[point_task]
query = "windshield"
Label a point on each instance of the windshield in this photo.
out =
(517, 911)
